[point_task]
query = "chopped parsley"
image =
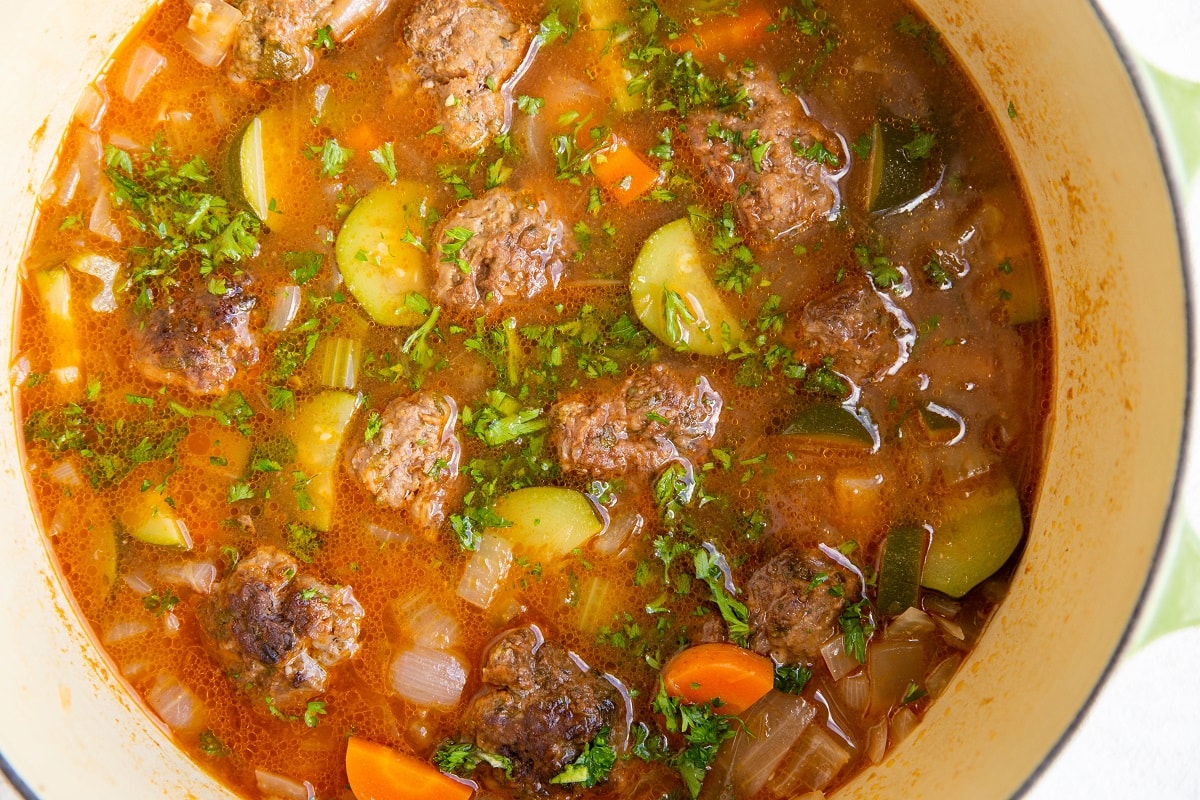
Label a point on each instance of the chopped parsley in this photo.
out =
(857, 627)
(334, 157)
(180, 223)
(384, 157)
(792, 678)
(461, 758)
(593, 765)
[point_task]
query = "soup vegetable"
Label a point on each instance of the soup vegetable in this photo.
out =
(602, 399)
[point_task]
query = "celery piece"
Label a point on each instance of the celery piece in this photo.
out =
(318, 429)
(339, 362)
(974, 538)
(900, 569)
(150, 518)
(547, 521)
(674, 296)
(381, 251)
(54, 292)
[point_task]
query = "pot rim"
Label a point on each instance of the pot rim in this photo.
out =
(1172, 514)
(1190, 263)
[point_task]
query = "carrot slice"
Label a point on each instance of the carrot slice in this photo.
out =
(622, 172)
(376, 772)
(726, 33)
(708, 672)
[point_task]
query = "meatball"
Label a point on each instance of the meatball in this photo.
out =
(278, 632)
(770, 156)
(653, 417)
(276, 38)
(273, 38)
(538, 707)
(495, 248)
(465, 51)
(852, 325)
(197, 342)
(794, 602)
(413, 457)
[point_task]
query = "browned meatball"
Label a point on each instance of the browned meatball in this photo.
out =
(654, 416)
(794, 602)
(852, 325)
(273, 39)
(278, 632)
(465, 50)
(198, 342)
(495, 248)
(413, 458)
(276, 38)
(538, 707)
(763, 158)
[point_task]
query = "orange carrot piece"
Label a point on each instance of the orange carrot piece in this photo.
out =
(725, 33)
(622, 172)
(708, 672)
(376, 772)
(362, 137)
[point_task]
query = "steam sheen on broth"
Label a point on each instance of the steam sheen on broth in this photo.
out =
(600, 399)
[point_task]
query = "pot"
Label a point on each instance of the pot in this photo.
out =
(70, 727)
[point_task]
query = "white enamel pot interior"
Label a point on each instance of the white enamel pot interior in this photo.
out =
(69, 728)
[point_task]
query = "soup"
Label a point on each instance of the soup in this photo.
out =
(637, 401)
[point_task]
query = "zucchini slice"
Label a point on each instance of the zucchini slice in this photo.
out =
(674, 296)
(318, 430)
(547, 521)
(976, 536)
(379, 251)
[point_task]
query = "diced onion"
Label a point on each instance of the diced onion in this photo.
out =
(771, 727)
(171, 623)
(125, 629)
(941, 675)
(65, 473)
(903, 723)
(952, 628)
(137, 583)
(146, 63)
(431, 678)
(198, 576)
(105, 270)
(20, 370)
(912, 624)
(839, 662)
(277, 787)
(92, 105)
(485, 571)
(101, 221)
(175, 704)
(387, 536)
(209, 31)
(623, 525)
(877, 736)
(428, 624)
(89, 160)
(894, 666)
(812, 764)
(284, 307)
(346, 17)
(940, 605)
(856, 690)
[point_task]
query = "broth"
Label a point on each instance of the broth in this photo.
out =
(933, 433)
